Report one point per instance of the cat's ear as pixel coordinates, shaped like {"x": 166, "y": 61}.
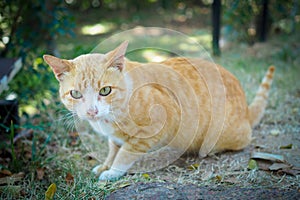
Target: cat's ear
{"x": 116, "y": 57}
{"x": 59, "y": 66}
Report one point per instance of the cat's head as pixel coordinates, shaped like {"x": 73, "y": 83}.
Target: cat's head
{"x": 89, "y": 83}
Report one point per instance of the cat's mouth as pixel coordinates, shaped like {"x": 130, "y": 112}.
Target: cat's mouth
{"x": 93, "y": 118}
{"x": 89, "y": 118}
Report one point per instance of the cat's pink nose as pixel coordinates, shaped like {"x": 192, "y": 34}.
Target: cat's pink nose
{"x": 92, "y": 112}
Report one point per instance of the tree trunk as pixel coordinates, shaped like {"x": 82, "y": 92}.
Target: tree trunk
{"x": 262, "y": 26}
{"x": 216, "y": 21}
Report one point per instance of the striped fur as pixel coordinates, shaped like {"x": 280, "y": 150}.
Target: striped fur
{"x": 258, "y": 105}
{"x": 204, "y": 106}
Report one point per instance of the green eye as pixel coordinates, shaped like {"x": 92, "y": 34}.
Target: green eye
{"x": 105, "y": 91}
{"x": 75, "y": 94}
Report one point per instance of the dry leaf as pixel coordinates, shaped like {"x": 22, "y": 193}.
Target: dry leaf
{"x": 13, "y": 178}
{"x": 69, "y": 178}
{"x": 5, "y": 172}
{"x": 219, "y": 178}
{"x": 267, "y": 156}
{"x": 252, "y": 164}
{"x": 73, "y": 134}
{"x": 40, "y": 173}
{"x": 289, "y": 146}
{"x": 293, "y": 171}
{"x": 74, "y": 138}
{"x": 193, "y": 166}
{"x": 49, "y": 194}
{"x": 278, "y": 166}
{"x": 264, "y": 164}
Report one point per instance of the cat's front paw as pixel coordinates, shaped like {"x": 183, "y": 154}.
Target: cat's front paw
{"x": 111, "y": 174}
{"x": 99, "y": 169}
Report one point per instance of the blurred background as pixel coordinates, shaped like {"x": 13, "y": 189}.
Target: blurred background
{"x": 69, "y": 28}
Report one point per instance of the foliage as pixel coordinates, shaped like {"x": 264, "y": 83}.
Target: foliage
{"x": 28, "y": 29}
{"x": 105, "y": 4}
{"x": 132, "y": 5}
{"x": 242, "y": 18}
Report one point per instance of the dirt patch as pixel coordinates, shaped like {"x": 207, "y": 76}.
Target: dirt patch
{"x": 174, "y": 191}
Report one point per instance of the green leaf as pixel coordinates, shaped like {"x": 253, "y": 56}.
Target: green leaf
{"x": 252, "y": 164}
{"x": 193, "y": 166}
{"x": 146, "y": 176}
{"x": 49, "y": 194}
{"x": 219, "y": 178}
{"x": 275, "y": 132}
{"x": 289, "y": 146}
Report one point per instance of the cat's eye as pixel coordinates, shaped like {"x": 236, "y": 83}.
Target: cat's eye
{"x": 75, "y": 94}
{"x": 105, "y": 91}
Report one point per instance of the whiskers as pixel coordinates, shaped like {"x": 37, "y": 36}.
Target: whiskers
{"x": 69, "y": 120}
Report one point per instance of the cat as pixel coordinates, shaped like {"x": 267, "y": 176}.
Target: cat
{"x": 103, "y": 89}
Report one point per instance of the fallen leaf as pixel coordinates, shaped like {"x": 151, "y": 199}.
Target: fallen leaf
{"x": 275, "y": 132}
{"x": 219, "y": 178}
{"x": 252, "y": 164}
{"x": 5, "y": 172}
{"x": 146, "y": 176}
{"x": 74, "y": 138}
{"x": 264, "y": 164}
{"x": 294, "y": 171}
{"x": 40, "y": 173}
{"x": 74, "y": 134}
{"x": 12, "y": 179}
{"x": 69, "y": 178}
{"x": 278, "y": 166}
{"x": 49, "y": 194}
{"x": 289, "y": 146}
{"x": 193, "y": 166}
{"x": 267, "y": 156}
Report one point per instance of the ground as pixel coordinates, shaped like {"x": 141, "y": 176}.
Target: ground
{"x": 169, "y": 190}
{"x": 226, "y": 175}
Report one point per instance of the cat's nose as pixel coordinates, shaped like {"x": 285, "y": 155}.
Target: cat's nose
{"x": 92, "y": 112}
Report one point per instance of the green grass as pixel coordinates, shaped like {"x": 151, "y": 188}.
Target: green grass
{"x": 53, "y": 149}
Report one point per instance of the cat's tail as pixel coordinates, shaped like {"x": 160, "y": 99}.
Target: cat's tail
{"x": 257, "y": 107}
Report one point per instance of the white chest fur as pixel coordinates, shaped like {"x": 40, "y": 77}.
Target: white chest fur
{"x": 105, "y": 128}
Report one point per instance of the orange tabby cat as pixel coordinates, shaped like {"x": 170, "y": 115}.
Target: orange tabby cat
{"x": 187, "y": 104}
